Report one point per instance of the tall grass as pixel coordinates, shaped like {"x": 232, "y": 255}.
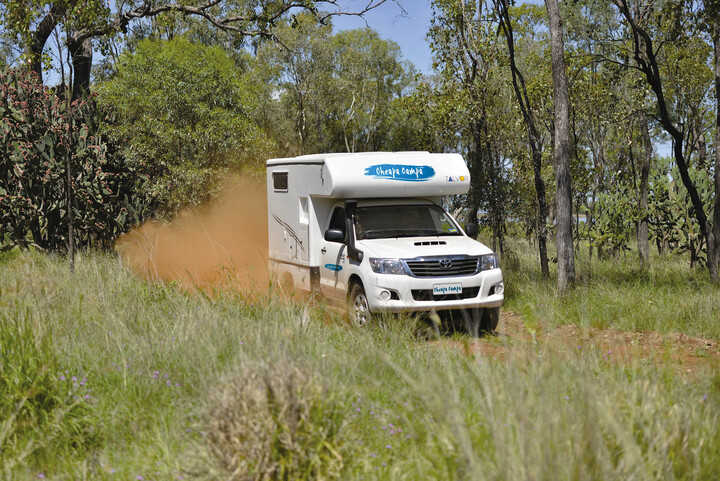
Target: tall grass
{"x": 223, "y": 387}
{"x": 668, "y": 296}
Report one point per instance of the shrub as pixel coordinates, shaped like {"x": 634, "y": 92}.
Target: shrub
{"x": 185, "y": 113}
{"x": 33, "y": 176}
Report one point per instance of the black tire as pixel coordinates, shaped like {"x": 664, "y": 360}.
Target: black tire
{"x": 490, "y": 319}
{"x": 358, "y": 306}
{"x": 477, "y": 321}
{"x": 472, "y": 320}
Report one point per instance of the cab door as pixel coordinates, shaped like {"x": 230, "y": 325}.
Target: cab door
{"x": 334, "y": 261}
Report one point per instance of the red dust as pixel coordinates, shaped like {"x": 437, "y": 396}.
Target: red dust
{"x": 223, "y": 245}
{"x": 686, "y": 354}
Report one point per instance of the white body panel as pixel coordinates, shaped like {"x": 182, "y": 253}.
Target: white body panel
{"x": 304, "y": 191}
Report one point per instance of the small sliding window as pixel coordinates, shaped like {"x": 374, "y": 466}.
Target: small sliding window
{"x": 280, "y": 181}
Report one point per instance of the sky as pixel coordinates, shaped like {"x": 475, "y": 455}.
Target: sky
{"x": 408, "y": 31}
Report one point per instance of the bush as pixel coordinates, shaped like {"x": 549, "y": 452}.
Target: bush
{"x": 33, "y": 176}
{"x": 185, "y": 113}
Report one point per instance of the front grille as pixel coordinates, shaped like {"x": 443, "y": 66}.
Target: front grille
{"x": 427, "y": 294}
{"x": 438, "y": 266}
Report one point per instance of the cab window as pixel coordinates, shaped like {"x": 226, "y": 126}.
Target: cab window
{"x": 337, "y": 221}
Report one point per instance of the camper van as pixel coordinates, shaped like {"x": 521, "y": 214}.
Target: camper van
{"x": 368, "y": 232}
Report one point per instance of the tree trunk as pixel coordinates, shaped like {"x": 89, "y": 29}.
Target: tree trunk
{"x": 69, "y": 188}
{"x": 475, "y": 166}
{"x": 714, "y": 237}
{"x": 542, "y": 215}
{"x": 643, "y": 235}
{"x": 81, "y": 52}
{"x": 563, "y": 196}
{"x": 41, "y": 35}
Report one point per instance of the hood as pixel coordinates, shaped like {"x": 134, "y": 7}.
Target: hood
{"x": 411, "y": 247}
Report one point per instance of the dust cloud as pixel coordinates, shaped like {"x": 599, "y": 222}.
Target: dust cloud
{"x": 220, "y": 246}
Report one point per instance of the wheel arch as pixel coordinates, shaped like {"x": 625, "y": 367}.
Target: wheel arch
{"x": 354, "y": 279}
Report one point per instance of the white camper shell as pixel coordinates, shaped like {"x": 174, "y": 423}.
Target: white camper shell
{"x": 368, "y": 231}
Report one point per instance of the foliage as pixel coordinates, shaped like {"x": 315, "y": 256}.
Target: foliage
{"x": 33, "y": 203}
{"x": 468, "y": 57}
{"x": 371, "y": 75}
{"x": 33, "y": 22}
{"x": 614, "y": 225}
{"x": 672, "y": 225}
{"x": 612, "y": 228}
{"x": 185, "y": 115}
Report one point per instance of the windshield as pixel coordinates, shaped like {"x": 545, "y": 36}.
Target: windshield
{"x": 385, "y": 221}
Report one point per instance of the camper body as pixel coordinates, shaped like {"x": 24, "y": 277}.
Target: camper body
{"x": 367, "y": 231}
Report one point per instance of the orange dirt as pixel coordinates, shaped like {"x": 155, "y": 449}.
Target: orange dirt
{"x": 686, "y": 353}
{"x": 222, "y": 246}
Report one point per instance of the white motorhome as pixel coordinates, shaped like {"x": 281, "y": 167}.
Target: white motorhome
{"x": 367, "y": 231}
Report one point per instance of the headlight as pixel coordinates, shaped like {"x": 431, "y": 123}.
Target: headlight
{"x": 387, "y": 266}
{"x": 488, "y": 262}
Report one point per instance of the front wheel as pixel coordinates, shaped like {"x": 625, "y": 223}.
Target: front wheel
{"x": 490, "y": 319}
{"x": 358, "y": 307}
{"x": 477, "y": 321}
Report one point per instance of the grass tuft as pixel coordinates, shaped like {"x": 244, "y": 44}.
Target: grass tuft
{"x": 275, "y": 421}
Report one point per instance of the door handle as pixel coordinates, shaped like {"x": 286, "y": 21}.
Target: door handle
{"x": 324, "y": 250}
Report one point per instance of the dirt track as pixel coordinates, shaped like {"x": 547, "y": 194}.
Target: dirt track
{"x": 687, "y": 354}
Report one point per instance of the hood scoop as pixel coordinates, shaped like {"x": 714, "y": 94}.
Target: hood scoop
{"x": 430, "y": 243}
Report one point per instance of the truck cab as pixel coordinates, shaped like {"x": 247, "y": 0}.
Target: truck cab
{"x": 371, "y": 235}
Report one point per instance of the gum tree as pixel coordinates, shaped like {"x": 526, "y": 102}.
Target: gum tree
{"x": 647, "y": 41}
{"x": 462, "y": 37}
{"x": 534, "y": 137}
{"x": 561, "y": 153}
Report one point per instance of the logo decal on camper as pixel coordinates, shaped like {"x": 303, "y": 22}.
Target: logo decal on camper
{"x": 333, "y": 267}
{"x": 405, "y": 173}
{"x": 457, "y": 178}
{"x": 290, "y": 231}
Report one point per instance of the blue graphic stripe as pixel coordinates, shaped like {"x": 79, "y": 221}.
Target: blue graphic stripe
{"x": 401, "y": 172}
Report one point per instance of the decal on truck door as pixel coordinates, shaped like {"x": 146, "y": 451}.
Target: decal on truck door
{"x": 404, "y": 173}
{"x": 333, "y": 267}
{"x": 290, "y": 231}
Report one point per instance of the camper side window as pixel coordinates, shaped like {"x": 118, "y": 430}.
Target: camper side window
{"x": 337, "y": 221}
{"x": 280, "y": 181}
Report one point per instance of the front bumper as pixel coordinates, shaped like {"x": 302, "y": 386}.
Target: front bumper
{"x": 413, "y": 294}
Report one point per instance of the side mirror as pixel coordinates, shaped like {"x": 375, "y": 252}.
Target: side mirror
{"x": 334, "y": 235}
{"x": 471, "y": 230}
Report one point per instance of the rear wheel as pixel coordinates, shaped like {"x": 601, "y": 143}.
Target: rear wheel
{"x": 358, "y": 307}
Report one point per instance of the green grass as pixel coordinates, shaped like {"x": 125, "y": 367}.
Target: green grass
{"x": 171, "y": 384}
{"x": 667, "y": 297}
